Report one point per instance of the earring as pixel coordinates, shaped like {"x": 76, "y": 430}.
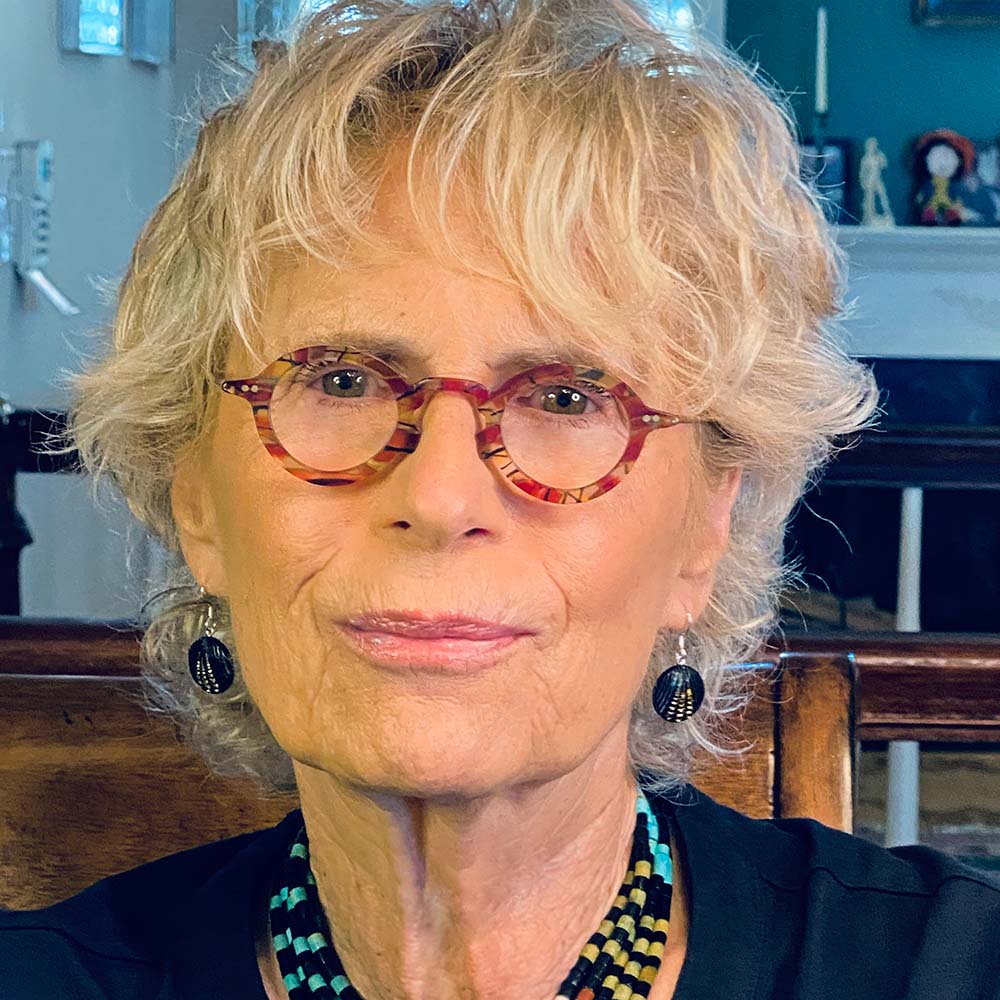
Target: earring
{"x": 679, "y": 691}
{"x": 209, "y": 660}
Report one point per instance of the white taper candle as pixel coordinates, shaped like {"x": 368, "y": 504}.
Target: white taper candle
{"x": 822, "y": 96}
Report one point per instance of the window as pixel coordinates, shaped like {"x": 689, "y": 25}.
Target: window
{"x": 271, "y": 17}
{"x": 92, "y": 26}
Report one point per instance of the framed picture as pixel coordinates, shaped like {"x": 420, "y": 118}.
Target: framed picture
{"x": 981, "y": 188}
{"x": 938, "y": 12}
{"x": 150, "y": 35}
{"x": 831, "y": 175}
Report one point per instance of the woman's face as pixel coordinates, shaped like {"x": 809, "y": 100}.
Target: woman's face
{"x": 440, "y": 532}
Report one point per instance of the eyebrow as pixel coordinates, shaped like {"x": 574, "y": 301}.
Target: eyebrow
{"x": 397, "y": 350}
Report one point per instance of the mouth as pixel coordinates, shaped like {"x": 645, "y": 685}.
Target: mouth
{"x": 442, "y": 649}
{"x": 425, "y": 625}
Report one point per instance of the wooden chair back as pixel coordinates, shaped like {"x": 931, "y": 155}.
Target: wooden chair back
{"x": 92, "y": 784}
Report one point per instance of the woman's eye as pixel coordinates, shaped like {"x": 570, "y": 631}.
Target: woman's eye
{"x": 568, "y": 400}
{"x": 344, "y": 382}
{"x": 337, "y": 383}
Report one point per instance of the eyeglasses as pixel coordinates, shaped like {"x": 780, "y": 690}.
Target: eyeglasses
{"x": 558, "y": 432}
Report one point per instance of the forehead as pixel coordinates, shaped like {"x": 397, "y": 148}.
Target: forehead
{"x": 416, "y": 314}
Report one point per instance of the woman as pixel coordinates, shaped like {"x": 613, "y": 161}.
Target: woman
{"x": 528, "y": 305}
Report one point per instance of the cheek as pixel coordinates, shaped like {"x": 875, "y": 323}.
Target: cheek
{"x": 615, "y": 572}
{"x": 618, "y": 566}
{"x": 276, "y": 533}
{"x": 272, "y": 526}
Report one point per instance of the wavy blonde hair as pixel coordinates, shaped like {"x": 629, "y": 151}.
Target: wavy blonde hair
{"x": 642, "y": 188}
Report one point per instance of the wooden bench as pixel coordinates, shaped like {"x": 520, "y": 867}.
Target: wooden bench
{"x": 92, "y": 784}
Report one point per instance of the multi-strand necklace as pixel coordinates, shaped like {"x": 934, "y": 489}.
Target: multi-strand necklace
{"x": 619, "y": 962}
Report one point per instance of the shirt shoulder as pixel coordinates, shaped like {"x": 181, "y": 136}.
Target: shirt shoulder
{"x": 918, "y": 924}
{"x": 788, "y": 853}
{"x": 809, "y": 848}
{"x": 839, "y": 915}
{"x": 109, "y": 941}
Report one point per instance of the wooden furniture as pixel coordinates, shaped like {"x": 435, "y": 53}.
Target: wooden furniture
{"x": 23, "y": 434}
{"x": 91, "y": 784}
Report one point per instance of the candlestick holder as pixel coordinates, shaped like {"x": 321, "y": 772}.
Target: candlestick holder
{"x": 826, "y": 165}
{"x": 819, "y": 132}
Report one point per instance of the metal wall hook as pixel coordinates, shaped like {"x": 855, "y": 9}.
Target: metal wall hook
{"x": 28, "y": 195}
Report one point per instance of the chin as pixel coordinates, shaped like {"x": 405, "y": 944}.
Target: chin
{"x": 429, "y": 769}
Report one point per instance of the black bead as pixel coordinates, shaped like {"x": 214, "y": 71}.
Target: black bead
{"x": 678, "y": 693}
{"x": 211, "y": 664}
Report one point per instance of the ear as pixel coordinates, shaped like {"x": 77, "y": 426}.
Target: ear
{"x": 708, "y": 542}
{"x": 197, "y": 522}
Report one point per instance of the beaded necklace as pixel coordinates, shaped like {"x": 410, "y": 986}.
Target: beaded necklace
{"x": 619, "y": 962}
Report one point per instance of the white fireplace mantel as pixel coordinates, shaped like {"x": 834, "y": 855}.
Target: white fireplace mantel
{"x": 923, "y": 292}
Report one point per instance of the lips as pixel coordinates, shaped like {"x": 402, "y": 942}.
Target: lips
{"x": 419, "y": 644}
{"x": 423, "y": 625}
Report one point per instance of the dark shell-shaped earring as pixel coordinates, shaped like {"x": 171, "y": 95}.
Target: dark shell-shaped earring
{"x": 679, "y": 691}
{"x": 209, "y": 660}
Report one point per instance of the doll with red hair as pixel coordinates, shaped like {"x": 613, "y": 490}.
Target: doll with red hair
{"x": 943, "y": 160}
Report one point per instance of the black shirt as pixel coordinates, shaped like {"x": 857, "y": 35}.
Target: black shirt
{"x": 780, "y": 910}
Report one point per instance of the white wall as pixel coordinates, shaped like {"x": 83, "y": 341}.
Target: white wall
{"x": 113, "y": 125}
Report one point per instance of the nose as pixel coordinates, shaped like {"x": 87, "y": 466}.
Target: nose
{"x": 460, "y": 394}
{"x": 446, "y": 409}
{"x": 444, "y": 487}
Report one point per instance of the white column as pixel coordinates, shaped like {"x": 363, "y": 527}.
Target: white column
{"x": 902, "y": 814}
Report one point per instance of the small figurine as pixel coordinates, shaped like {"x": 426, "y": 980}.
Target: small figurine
{"x": 872, "y": 164}
{"x": 944, "y": 159}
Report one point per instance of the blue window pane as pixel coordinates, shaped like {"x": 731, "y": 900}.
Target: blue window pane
{"x": 675, "y": 15}
{"x": 320, "y": 4}
{"x": 101, "y": 26}
{"x": 272, "y": 17}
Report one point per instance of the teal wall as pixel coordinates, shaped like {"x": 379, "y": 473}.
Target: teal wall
{"x": 889, "y": 77}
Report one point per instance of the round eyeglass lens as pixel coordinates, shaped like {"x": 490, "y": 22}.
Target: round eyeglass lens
{"x": 333, "y": 416}
{"x": 564, "y": 434}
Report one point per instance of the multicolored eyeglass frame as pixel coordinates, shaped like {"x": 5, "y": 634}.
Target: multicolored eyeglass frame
{"x": 411, "y": 397}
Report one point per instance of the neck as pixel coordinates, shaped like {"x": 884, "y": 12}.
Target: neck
{"x": 468, "y": 898}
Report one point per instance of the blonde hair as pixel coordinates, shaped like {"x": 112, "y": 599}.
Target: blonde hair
{"x": 642, "y": 188}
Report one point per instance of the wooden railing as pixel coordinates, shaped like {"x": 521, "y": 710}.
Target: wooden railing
{"x": 923, "y": 686}
{"x": 94, "y": 784}
{"x": 66, "y": 647}
{"x": 911, "y": 686}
